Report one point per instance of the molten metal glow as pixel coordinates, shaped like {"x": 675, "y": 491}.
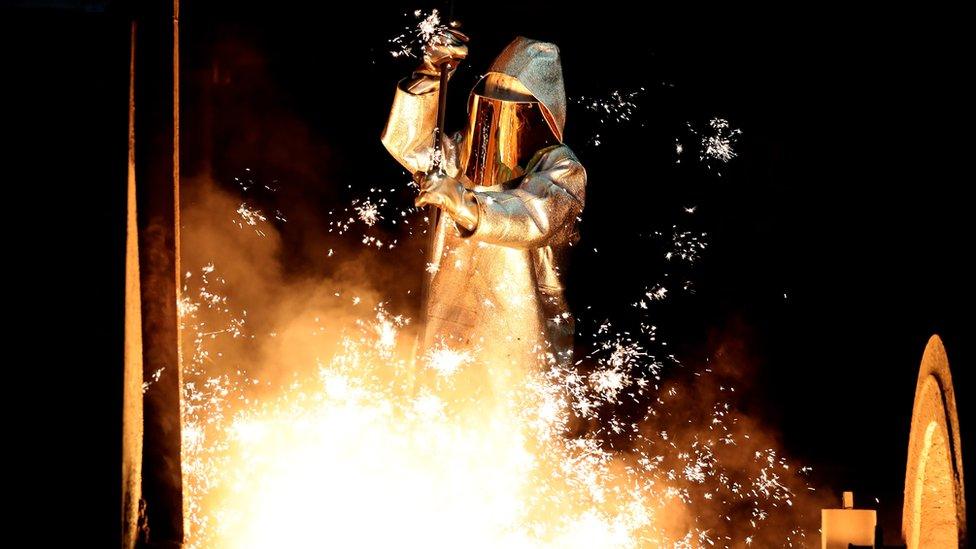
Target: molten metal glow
{"x": 307, "y": 425}
{"x": 358, "y": 453}
{"x": 349, "y": 461}
{"x": 446, "y": 361}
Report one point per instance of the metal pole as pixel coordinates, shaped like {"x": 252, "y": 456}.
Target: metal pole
{"x": 155, "y": 178}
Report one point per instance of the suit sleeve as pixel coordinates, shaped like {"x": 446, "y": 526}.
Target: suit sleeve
{"x": 541, "y": 211}
{"x": 409, "y": 132}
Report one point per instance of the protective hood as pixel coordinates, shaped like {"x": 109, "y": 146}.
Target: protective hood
{"x": 537, "y": 66}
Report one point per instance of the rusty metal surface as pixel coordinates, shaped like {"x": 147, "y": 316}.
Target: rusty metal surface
{"x": 934, "y": 508}
{"x": 155, "y": 181}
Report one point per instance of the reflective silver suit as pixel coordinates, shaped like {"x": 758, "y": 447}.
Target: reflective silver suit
{"x": 497, "y": 290}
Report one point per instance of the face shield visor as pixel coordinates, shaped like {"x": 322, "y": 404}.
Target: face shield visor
{"x": 506, "y": 127}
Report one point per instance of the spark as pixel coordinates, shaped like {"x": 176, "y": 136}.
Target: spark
{"x": 428, "y": 405}
{"x": 615, "y": 108}
{"x": 411, "y": 40}
{"x": 609, "y": 382}
{"x": 657, "y": 293}
{"x": 686, "y": 245}
{"x": 446, "y": 361}
{"x": 512, "y": 470}
{"x": 368, "y": 213}
{"x": 386, "y": 332}
{"x": 718, "y": 145}
{"x": 153, "y": 379}
{"x": 251, "y": 217}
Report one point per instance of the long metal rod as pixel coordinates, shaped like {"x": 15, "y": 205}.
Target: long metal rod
{"x": 436, "y": 166}
{"x": 441, "y": 106}
{"x": 433, "y": 212}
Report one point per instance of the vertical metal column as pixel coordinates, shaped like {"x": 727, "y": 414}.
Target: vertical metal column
{"x": 155, "y": 278}
{"x": 132, "y": 361}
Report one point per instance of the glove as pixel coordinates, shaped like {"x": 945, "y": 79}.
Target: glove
{"x": 448, "y": 194}
{"x": 447, "y": 46}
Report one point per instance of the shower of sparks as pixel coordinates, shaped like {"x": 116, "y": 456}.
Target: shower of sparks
{"x": 609, "y": 382}
{"x": 410, "y": 42}
{"x": 251, "y": 217}
{"x": 655, "y": 293}
{"x": 375, "y": 208}
{"x": 154, "y": 379}
{"x": 616, "y": 108}
{"x": 295, "y": 460}
{"x": 686, "y": 245}
{"x": 368, "y": 213}
{"x": 246, "y": 181}
{"x": 716, "y": 143}
{"x": 257, "y": 468}
{"x": 446, "y": 361}
{"x": 386, "y": 331}
{"x": 251, "y": 187}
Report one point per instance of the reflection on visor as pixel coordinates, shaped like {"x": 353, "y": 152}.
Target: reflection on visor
{"x": 501, "y": 138}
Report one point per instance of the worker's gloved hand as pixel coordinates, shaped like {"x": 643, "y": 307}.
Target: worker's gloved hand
{"x": 446, "y": 46}
{"x": 448, "y": 194}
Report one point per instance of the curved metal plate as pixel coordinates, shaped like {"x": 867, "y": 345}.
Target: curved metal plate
{"x": 934, "y": 509}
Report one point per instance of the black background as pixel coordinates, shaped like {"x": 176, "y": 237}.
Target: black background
{"x": 850, "y": 195}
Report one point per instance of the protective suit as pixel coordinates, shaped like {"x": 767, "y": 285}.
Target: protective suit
{"x": 510, "y": 196}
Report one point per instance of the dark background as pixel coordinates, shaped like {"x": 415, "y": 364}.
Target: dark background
{"x": 850, "y": 193}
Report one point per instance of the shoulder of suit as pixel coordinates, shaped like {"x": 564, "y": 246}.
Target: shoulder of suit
{"x": 556, "y": 154}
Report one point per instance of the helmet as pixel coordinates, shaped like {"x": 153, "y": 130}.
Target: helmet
{"x": 517, "y": 109}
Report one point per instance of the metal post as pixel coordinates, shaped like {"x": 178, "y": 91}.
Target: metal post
{"x": 154, "y": 184}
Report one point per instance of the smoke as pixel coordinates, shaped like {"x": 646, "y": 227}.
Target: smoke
{"x": 737, "y": 482}
{"x": 276, "y": 319}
